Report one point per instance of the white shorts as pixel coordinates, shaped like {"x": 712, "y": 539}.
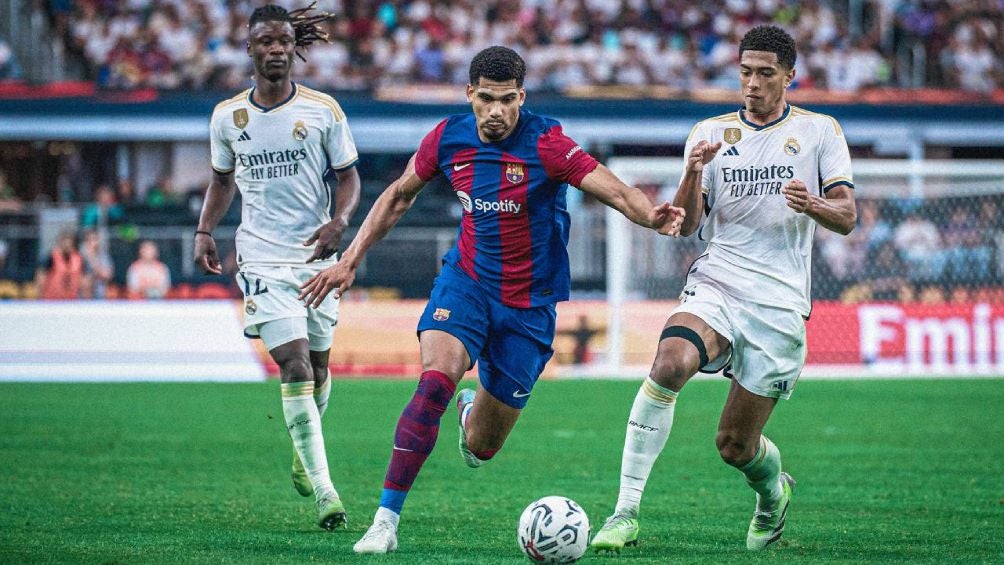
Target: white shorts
{"x": 271, "y": 293}
{"x": 768, "y": 343}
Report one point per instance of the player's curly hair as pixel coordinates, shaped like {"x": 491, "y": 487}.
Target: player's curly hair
{"x": 772, "y": 39}
{"x": 498, "y": 63}
{"x": 306, "y": 28}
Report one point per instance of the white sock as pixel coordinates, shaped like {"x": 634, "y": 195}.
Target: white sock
{"x": 321, "y": 395}
{"x": 763, "y": 474}
{"x": 648, "y": 427}
{"x": 387, "y": 515}
{"x": 304, "y": 424}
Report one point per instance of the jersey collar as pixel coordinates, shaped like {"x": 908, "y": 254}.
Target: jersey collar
{"x": 749, "y": 124}
{"x": 263, "y": 109}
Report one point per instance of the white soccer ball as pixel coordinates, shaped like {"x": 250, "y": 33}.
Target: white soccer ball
{"x": 553, "y": 529}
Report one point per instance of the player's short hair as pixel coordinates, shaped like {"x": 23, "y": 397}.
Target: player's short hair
{"x": 772, "y": 39}
{"x": 306, "y": 26}
{"x": 498, "y": 63}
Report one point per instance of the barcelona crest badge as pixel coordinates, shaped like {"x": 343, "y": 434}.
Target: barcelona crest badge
{"x": 441, "y": 315}
{"x": 514, "y": 172}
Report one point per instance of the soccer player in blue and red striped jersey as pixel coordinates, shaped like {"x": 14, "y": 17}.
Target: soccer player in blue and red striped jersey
{"x": 494, "y": 301}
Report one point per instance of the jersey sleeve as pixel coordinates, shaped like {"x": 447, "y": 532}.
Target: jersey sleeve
{"x": 427, "y": 156}
{"x": 338, "y": 144}
{"x": 563, "y": 159}
{"x": 220, "y": 151}
{"x": 697, "y": 133}
{"x": 834, "y": 158}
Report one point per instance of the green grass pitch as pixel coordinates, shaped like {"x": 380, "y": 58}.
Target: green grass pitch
{"x": 896, "y": 471}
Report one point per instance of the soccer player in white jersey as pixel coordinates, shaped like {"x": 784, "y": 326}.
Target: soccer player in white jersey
{"x": 764, "y": 177}
{"x": 278, "y": 141}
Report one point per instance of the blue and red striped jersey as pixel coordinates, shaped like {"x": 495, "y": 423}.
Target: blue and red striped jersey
{"x": 514, "y": 233}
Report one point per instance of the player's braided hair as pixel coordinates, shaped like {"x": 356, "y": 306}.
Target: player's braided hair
{"x": 498, "y": 63}
{"x": 772, "y": 39}
{"x": 306, "y": 28}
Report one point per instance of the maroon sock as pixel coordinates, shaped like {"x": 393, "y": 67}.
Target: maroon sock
{"x": 417, "y": 429}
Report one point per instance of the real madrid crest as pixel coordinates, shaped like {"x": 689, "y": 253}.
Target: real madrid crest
{"x": 514, "y": 172}
{"x": 250, "y": 307}
{"x": 441, "y": 315}
{"x": 299, "y": 130}
{"x": 791, "y": 147}
{"x": 241, "y": 117}
{"x": 733, "y": 135}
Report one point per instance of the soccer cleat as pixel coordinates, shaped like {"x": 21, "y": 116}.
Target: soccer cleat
{"x": 301, "y": 482}
{"x": 331, "y": 512}
{"x": 465, "y": 397}
{"x": 618, "y": 531}
{"x": 767, "y": 527}
{"x": 380, "y": 538}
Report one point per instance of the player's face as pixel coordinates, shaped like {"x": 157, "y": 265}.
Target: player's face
{"x": 271, "y": 46}
{"x": 763, "y": 81}
{"x": 496, "y": 107}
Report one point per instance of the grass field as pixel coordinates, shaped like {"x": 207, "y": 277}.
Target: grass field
{"x": 183, "y": 473}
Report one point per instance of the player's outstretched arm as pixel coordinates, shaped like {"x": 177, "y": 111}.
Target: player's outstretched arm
{"x": 328, "y": 237}
{"x": 628, "y": 200}
{"x": 384, "y": 215}
{"x": 837, "y": 211}
{"x": 219, "y": 195}
{"x": 688, "y": 196}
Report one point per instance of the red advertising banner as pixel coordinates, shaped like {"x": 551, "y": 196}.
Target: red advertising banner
{"x": 916, "y": 338}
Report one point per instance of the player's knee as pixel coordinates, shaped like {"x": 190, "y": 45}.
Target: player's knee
{"x": 669, "y": 371}
{"x": 733, "y": 449}
{"x": 296, "y": 370}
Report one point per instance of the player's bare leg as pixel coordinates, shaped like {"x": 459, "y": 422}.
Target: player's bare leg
{"x": 444, "y": 362}
{"x": 742, "y": 444}
{"x": 303, "y": 420}
{"x": 485, "y": 423}
{"x": 687, "y": 344}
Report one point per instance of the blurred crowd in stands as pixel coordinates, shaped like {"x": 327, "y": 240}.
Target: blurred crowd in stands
{"x": 930, "y": 250}
{"x": 679, "y": 44}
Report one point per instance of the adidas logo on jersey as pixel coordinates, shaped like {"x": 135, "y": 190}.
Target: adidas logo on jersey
{"x": 244, "y": 136}
{"x": 732, "y": 151}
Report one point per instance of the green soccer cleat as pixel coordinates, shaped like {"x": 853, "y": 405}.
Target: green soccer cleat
{"x": 301, "y": 482}
{"x": 331, "y": 512}
{"x": 465, "y": 397}
{"x": 618, "y": 531}
{"x": 767, "y": 527}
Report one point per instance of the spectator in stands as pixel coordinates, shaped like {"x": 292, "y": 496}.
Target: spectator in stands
{"x": 60, "y": 276}
{"x": 919, "y": 244}
{"x": 9, "y": 69}
{"x": 9, "y": 202}
{"x": 971, "y": 64}
{"x": 98, "y": 266}
{"x": 148, "y": 277}
{"x": 104, "y": 211}
{"x": 162, "y": 194}
{"x": 885, "y": 279}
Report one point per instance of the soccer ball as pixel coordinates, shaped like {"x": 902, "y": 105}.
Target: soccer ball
{"x": 553, "y": 529}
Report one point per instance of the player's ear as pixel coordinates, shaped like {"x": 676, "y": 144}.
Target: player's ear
{"x": 470, "y": 92}
{"x": 789, "y": 77}
{"x": 522, "y": 96}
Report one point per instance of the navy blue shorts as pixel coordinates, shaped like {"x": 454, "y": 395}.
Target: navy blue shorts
{"x": 510, "y": 345}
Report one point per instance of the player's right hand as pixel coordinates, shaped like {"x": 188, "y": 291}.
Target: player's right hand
{"x": 701, "y": 155}
{"x": 338, "y": 278}
{"x": 667, "y": 219}
{"x": 205, "y": 255}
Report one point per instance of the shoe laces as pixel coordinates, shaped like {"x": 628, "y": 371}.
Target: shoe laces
{"x": 616, "y": 521}
{"x": 378, "y": 529}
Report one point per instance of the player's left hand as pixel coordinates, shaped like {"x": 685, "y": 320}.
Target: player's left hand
{"x": 327, "y": 238}
{"x": 667, "y": 219}
{"x": 797, "y": 195}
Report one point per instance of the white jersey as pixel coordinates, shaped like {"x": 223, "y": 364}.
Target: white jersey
{"x": 759, "y": 249}
{"x": 279, "y": 157}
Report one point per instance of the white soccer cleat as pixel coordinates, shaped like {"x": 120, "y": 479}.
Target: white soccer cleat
{"x": 380, "y": 538}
